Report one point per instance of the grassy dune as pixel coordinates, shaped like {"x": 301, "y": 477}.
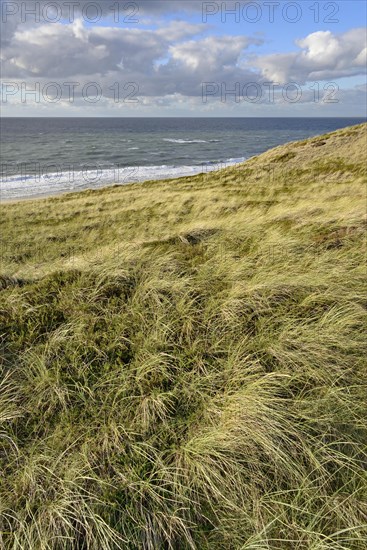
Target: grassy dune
{"x": 182, "y": 362}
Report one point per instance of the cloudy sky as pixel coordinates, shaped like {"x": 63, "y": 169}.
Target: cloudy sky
{"x": 183, "y": 58}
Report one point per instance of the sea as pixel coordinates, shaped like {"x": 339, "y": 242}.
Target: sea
{"x": 50, "y": 156}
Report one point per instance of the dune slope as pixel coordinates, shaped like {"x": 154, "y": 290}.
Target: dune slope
{"x": 182, "y": 362}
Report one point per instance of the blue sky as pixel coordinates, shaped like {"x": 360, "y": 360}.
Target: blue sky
{"x": 173, "y": 48}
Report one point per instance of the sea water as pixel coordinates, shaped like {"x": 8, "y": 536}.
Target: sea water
{"x": 49, "y": 156}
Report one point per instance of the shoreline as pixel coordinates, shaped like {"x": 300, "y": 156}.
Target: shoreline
{"x": 62, "y": 192}
{"x": 183, "y": 305}
{"x": 162, "y": 335}
{"x": 71, "y": 170}
{"x": 228, "y": 165}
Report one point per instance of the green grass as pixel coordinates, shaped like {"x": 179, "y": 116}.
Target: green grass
{"x": 182, "y": 362}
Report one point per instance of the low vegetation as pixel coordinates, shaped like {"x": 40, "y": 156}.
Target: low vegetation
{"x": 182, "y": 362}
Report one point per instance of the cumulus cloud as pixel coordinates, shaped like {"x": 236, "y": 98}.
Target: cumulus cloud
{"x": 34, "y": 13}
{"x": 211, "y": 52}
{"x": 30, "y": 12}
{"x": 323, "y": 55}
{"x": 163, "y": 61}
{"x": 63, "y": 51}
{"x": 169, "y": 59}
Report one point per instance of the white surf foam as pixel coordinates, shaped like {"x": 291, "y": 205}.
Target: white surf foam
{"x": 185, "y": 141}
{"x": 29, "y": 186}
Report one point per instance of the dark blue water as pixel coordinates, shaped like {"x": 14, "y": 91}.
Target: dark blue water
{"x": 53, "y": 155}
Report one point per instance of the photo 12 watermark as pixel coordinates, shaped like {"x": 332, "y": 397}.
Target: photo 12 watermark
{"x": 69, "y": 11}
{"x": 24, "y": 253}
{"x": 38, "y": 175}
{"x": 270, "y": 12}
{"x": 269, "y": 92}
{"x": 67, "y": 92}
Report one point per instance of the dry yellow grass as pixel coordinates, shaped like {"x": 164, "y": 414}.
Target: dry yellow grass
{"x": 183, "y": 361}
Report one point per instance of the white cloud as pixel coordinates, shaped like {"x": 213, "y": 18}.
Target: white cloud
{"x": 323, "y": 55}
{"x": 170, "y": 63}
{"x": 211, "y": 52}
{"x": 60, "y": 52}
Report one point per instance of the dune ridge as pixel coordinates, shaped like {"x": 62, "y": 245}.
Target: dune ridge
{"x": 182, "y": 362}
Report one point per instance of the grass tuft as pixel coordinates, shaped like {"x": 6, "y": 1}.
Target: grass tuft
{"x": 182, "y": 362}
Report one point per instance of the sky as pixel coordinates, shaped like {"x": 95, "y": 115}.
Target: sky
{"x": 183, "y": 58}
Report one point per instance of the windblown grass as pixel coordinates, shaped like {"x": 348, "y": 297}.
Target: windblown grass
{"x": 183, "y": 362}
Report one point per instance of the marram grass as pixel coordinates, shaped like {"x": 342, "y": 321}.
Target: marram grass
{"x": 183, "y": 361}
